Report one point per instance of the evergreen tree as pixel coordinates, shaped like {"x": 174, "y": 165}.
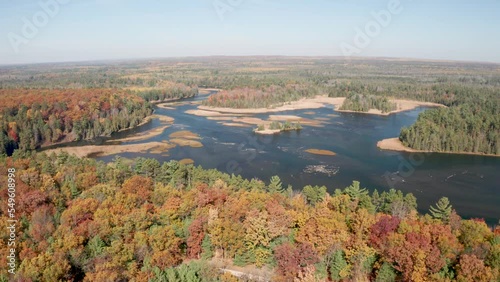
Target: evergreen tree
{"x": 337, "y": 266}
{"x": 314, "y": 194}
{"x": 386, "y": 273}
{"x": 442, "y": 210}
{"x": 275, "y": 186}
{"x": 206, "y": 246}
{"x": 355, "y": 192}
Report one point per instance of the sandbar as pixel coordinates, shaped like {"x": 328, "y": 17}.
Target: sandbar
{"x": 184, "y": 134}
{"x": 235, "y": 124}
{"x": 186, "y": 142}
{"x": 186, "y": 161}
{"x": 320, "y": 152}
{"x": 106, "y": 150}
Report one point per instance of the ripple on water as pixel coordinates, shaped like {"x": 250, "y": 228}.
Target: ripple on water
{"x": 324, "y": 169}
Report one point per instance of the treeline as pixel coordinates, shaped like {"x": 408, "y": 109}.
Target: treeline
{"x": 140, "y": 220}
{"x": 35, "y": 117}
{"x": 271, "y": 96}
{"x": 471, "y": 123}
{"x": 178, "y": 91}
{"x": 448, "y": 94}
{"x": 469, "y": 127}
{"x": 363, "y": 103}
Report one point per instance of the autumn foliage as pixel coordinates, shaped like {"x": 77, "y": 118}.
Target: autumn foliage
{"x": 31, "y": 118}
{"x": 82, "y": 220}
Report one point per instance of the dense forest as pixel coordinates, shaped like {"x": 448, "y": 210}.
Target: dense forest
{"x": 139, "y": 220}
{"x": 173, "y": 92}
{"x": 260, "y": 98}
{"x": 471, "y": 123}
{"x": 363, "y": 103}
{"x": 469, "y": 127}
{"x": 35, "y": 117}
{"x": 250, "y": 82}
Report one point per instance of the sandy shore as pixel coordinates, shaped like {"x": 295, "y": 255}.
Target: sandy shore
{"x": 211, "y": 113}
{"x": 402, "y": 105}
{"x": 164, "y": 120}
{"x": 106, "y": 150}
{"x": 309, "y": 103}
{"x": 393, "y": 144}
{"x": 267, "y": 131}
{"x": 143, "y": 122}
{"x": 165, "y": 106}
{"x": 235, "y": 124}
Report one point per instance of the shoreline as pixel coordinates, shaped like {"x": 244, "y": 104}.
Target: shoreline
{"x": 304, "y": 103}
{"x": 165, "y": 122}
{"x": 311, "y": 103}
{"x": 394, "y": 144}
{"x": 106, "y": 150}
{"x": 401, "y": 104}
{"x": 145, "y": 121}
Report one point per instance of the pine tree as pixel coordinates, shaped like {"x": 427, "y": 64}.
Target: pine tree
{"x": 275, "y": 186}
{"x": 386, "y": 273}
{"x": 337, "y": 265}
{"x": 355, "y": 192}
{"x": 442, "y": 210}
{"x": 206, "y": 245}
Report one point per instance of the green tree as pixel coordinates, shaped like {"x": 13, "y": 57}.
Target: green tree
{"x": 386, "y": 273}
{"x": 442, "y": 210}
{"x": 275, "y": 186}
{"x": 338, "y": 266}
{"x": 314, "y": 194}
{"x": 207, "y": 248}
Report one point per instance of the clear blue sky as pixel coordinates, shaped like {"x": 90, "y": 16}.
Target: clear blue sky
{"x": 116, "y": 29}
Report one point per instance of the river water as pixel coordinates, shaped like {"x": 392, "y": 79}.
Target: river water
{"x": 472, "y": 183}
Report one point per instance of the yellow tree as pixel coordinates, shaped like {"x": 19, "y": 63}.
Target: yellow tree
{"x": 257, "y": 236}
{"x": 324, "y": 229}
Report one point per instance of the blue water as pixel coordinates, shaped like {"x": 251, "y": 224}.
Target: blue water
{"x": 472, "y": 183}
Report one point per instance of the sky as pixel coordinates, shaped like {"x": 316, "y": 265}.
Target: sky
{"x": 81, "y": 30}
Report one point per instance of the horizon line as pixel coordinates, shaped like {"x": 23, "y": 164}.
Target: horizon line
{"x": 407, "y": 59}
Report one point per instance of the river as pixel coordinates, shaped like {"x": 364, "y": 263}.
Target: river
{"x": 472, "y": 183}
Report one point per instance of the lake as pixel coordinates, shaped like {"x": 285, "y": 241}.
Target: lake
{"x": 472, "y": 183}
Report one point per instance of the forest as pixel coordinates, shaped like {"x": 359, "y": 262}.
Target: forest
{"x": 470, "y": 127}
{"x": 471, "y": 91}
{"x": 470, "y": 124}
{"x": 363, "y": 103}
{"x": 172, "y": 92}
{"x": 141, "y": 220}
{"x": 32, "y": 118}
{"x": 260, "y": 97}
